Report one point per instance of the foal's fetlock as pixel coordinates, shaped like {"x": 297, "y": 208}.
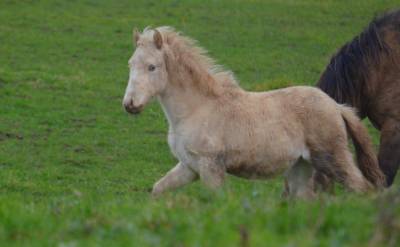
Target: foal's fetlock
{"x": 361, "y": 187}
{"x": 159, "y": 188}
{"x": 213, "y": 181}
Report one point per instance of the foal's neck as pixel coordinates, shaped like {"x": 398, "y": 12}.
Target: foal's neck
{"x": 178, "y": 103}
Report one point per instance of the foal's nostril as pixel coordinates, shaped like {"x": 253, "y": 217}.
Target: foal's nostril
{"x": 128, "y": 105}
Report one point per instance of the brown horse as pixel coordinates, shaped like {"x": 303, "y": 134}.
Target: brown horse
{"x": 365, "y": 73}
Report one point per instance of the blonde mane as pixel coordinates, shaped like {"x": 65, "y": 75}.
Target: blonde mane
{"x": 184, "y": 59}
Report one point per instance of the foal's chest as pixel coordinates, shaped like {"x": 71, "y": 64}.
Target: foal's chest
{"x": 177, "y": 145}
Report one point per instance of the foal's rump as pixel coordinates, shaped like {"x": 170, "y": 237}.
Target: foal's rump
{"x": 326, "y": 126}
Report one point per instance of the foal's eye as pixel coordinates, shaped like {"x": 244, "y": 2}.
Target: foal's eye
{"x": 152, "y": 67}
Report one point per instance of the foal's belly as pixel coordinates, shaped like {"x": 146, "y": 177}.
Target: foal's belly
{"x": 258, "y": 170}
{"x": 261, "y": 167}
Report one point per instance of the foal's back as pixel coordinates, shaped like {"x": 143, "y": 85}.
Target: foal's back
{"x": 293, "y": 111}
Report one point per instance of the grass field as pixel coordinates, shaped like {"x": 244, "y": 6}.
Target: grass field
{"x": 75, "y": 169}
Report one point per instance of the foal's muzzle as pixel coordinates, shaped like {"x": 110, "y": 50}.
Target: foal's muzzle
{"x": 129, "y": 107}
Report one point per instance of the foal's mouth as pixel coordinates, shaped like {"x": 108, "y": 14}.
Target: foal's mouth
{"x": 133, "y": 109}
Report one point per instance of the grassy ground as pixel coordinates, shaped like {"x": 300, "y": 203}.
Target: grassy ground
{"x": 75, "y": 169}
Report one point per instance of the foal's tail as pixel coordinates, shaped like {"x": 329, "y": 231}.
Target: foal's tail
{"x": 366, "y": 157}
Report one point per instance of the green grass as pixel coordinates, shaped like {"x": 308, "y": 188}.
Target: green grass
{"x": 75, "y": 169}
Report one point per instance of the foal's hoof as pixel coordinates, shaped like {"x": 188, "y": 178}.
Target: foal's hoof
{"x": 155, "y": 193}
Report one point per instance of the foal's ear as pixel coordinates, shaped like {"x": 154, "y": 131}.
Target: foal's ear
{"x": 136, "y": 35}
{"x": 157, "y": 39}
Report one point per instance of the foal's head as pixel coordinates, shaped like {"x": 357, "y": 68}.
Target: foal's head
{"x": 148, "y": 75}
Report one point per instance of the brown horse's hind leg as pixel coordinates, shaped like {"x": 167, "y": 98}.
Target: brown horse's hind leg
{"x": 339, "y": 165}
{"x": 389, "y": 151}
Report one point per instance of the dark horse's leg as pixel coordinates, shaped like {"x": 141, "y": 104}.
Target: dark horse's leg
{"x": 389, "y": 151}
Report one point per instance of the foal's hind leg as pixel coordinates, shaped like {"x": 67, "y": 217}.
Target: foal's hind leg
{"x": 323, "y": 183}
{"x": 339, "y": 165}
{"x": 298, "y": 181}
{"x": 389, "y": 150}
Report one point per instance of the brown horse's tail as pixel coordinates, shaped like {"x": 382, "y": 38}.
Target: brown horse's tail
{"x": 366, "y": 157}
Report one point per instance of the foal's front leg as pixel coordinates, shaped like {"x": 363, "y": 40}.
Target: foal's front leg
{"x": 177, "y": 177}
{"x": 211, "y": 174}
{"x": 299, "y": 182}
